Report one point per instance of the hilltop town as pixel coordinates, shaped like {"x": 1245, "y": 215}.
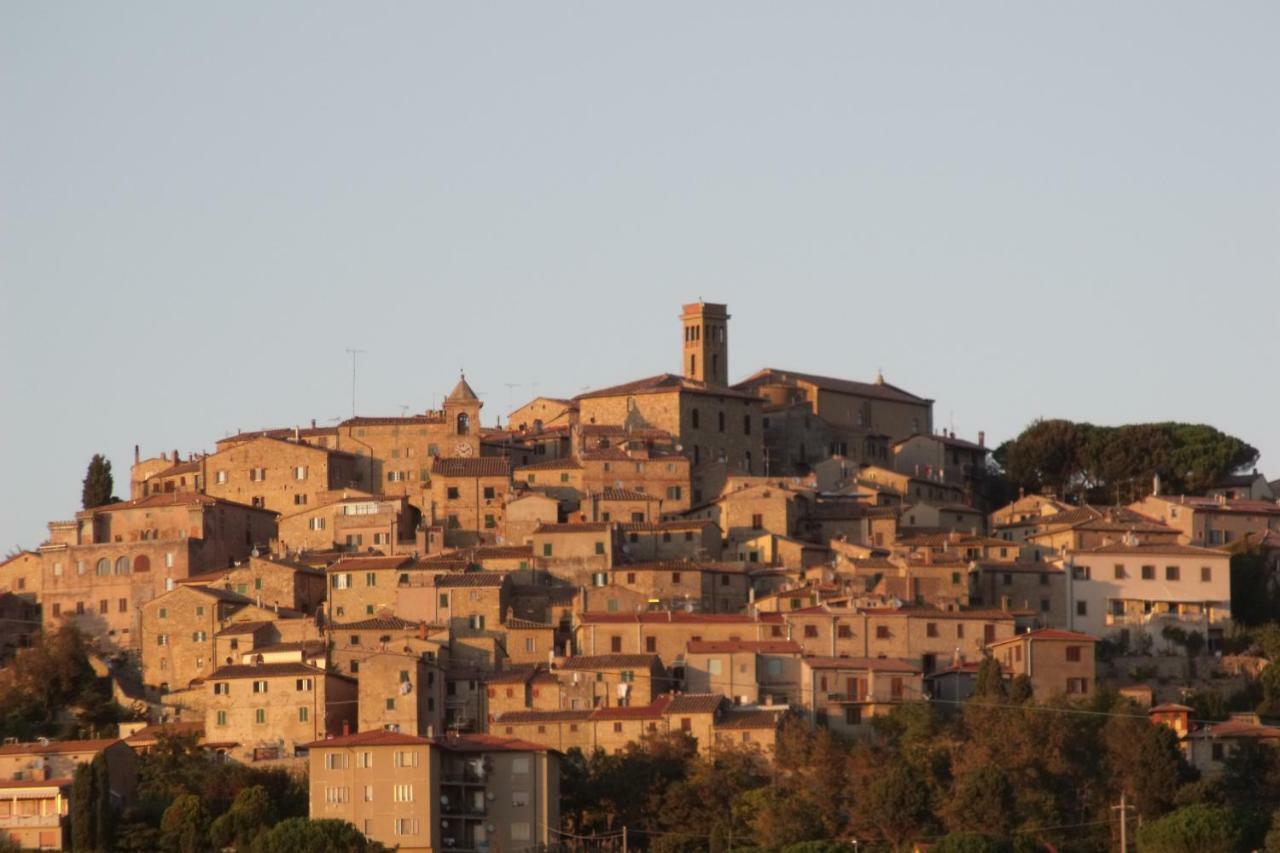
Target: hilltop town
{"x": 428, "y": 614}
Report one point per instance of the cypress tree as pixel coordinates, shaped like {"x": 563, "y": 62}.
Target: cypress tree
{"x": 84, "y": 812}
{"x": 97, "y": 483}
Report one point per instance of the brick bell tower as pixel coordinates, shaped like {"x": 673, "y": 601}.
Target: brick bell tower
{"x": 706, "y": 342}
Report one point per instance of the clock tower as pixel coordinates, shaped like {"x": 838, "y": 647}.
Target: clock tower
{"x": 462, "y": 416}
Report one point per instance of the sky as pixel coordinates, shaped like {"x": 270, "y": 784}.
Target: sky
{"x": 1019, "y": 209}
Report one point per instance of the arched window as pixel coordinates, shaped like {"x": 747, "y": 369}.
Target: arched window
{"x": 122, "y": 566}
{"x": 103, "y": 567}
{"x": 142, "y": 563}
{"x": 464, "y": 424}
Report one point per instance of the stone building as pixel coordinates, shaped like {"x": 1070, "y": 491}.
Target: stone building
{"x": 843, "y": 694}
{"x": 284, "y": 476}
{"x": 350, "y": 521}
{"x": 468, "y": 497}
{"x": 270, "y": 711}
{"x": 400, "y": 692}
{"x": 178, "y": 630}
{"x": 271, "y": 582}
{"x": 1057, "y": 662}
{"x": 101, "y": 568}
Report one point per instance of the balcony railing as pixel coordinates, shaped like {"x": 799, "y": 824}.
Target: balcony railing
{"x": 30, "y": 821}
{"x": 466, "y": 776}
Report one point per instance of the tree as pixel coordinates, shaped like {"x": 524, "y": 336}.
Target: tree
{"x": 895, "y": 806}
{"x": 971, "y": 842}
{"x": 982, "y": 801}
{"x": 183, "y": 829}
{"x": 98, "y": 483}
{"x": 1046, "y": 456}
{"x": 251, "y": 813}
{"x": 84, "y": 814}
{"x": 989, "y": 682}
{"x": 1269, "y": 681}
{"x": 315, "y": 836}
{"x": 1201, "y": 828}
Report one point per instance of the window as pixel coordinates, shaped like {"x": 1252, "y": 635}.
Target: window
{"x": 1120, "y": 572}
{"x": 651, "y": 645}
{"x": 882, "y": 632}
{"x": 220, "y": 476}
{"x": 1082, "y": 608}
{"x": 844, "y": 632}
{"x": 221, "y": 718}
{"x": 257, "y": 475}
{"x": 546, "y": 549}
{"x": 1206, "y": 574}
{"x": 713, "y": 666}
{"x": 405, "y": 758}
{"x": 1077, "y": 686}
{"x": 675, "y": 577}
{"x": 686, "y": 724}
{"x": 164, "y": 613}
{"x": 199, "y": 636}
{"x": 57, "y": 609}
{"x": 489, "y": 493}
{"x": 303, "y": 712}
{"x": 810, "y": 631}
{"x": 161, "y": 639}
{"x": 1007, "y": 579}
{"x": 102, "y": 567}
{"x": 931, "y": 629}
{"x": 391, "y": 704}
{"x": 451, "y": 493}
{"x": 260, "y": 716}
{"x": 746, "y": 424}
{"x": 334, "y": 795}
{"x": 259, "y": 687}
{"x": 720, "y": 421}
{"x": 757, "y": 521}
{"x": 673, "y": 493}
{"x": 522, "y": 831}
{"x": 693, "y": 417}
{"x": 403, "y": 793}
{"x": 1073, "y": 654}
{"x": 615, "y": 645}
{"x": 1172, "y": 573}
{"x": 103, "y": 606}
{"x": 1148, "y": 573}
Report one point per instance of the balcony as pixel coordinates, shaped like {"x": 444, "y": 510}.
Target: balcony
{"x": 463, "y": 809}
{"x": 847, "y": 697}
{"x": 30, "y": 821}
{"x": 463, "y": 776}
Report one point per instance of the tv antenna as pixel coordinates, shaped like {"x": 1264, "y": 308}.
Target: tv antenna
{"x": 353, "y": 353}
{"x": 511, "y": 386}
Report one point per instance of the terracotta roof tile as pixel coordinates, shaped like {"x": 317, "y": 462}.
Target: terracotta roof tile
{"x": 483, "y": 466}
{"x": 467, "y": 579}
{"x": 618, "y": 661}
{"x": 667, "y": 383}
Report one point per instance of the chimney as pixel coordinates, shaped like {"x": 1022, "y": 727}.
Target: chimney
{"x": 313, "y": 423}
{"x": 1155, "y": 484}
{"x": 175, "y": 457}
{"x": 982, "y": 438}
{"x": 346, "y": 727}
{"x": 137, "y": 454}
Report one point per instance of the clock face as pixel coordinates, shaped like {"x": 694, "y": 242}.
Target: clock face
{"x": 463, "y": 448}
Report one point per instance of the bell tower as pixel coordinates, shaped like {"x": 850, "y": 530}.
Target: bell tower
{"x": 706, "y": 342}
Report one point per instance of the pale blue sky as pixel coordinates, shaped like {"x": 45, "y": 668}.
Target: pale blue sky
{"x": 1017, "y": 208}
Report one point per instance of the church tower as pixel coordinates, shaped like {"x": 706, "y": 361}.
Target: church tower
{"x": 706, "y": 342}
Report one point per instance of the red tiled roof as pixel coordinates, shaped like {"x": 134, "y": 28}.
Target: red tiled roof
{"x": 1048, "y": 634}
{"x": 483, "y": 466}
{"x": 666, "y": 383}
{"x": 269, "y": 670}
{"x": 668, "y": 617}
{"x": 618, "y": 661}
{"x": 567, "y": 464}
{"x": 755, "y": 718}
{"x": 370, "y": 563}
{"x": 780, "y": 647}
{"x": 873, "y": 664}
{"x": 461, "y": 579}
{"x": 361, "y": 420}
{"x": 487, "y": 743}
{"x": 877, "y": 390}
{"x": 658, "y": 526}
{"x": 695, "y": 703}
{"x": 1169, "y": 548}
{"x": 165, "y": 499}
{"x": 376, "y": 623}
{"x": 572, "y": 527}
{"x": 378, "y": 737}
{"x": 626, "y": 495}
{"x": 146, "y": 734}
{"x": 542, "y": 717}
{"x": 238, "y": 628}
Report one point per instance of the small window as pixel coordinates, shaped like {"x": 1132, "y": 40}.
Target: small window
{"x": 1206, "y": 574}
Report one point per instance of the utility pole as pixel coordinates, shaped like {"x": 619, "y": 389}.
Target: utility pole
{"x": 353, "y": 353}
{"x": 624, "y": 839}
{"x": 1123, "y": 808}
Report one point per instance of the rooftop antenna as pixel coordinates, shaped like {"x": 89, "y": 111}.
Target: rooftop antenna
{"x": 353, "y": 353}
{"x": 511, "y": 386}
{"x": 404, "y": 409}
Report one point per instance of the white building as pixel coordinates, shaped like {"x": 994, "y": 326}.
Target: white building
{"x": 1141, "y": 587}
